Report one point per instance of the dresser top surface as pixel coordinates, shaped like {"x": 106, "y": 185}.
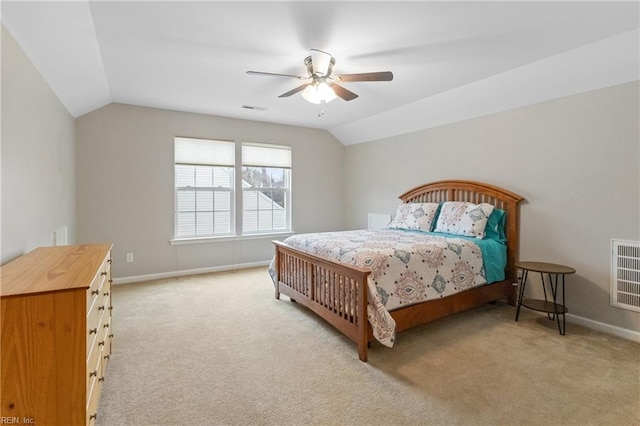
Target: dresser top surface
{"x": 49, "y": 269}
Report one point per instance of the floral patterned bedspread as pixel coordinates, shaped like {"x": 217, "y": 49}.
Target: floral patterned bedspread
{"x": 407, "y": 267}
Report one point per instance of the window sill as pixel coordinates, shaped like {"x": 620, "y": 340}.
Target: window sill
{"x": 208, "y": 240}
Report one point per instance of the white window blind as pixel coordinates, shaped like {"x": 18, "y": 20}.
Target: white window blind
{"x": 266, "y": 155}
{"x": 204, "y": 151}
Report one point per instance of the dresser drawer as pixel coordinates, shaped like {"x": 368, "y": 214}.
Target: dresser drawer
{"x": 105, "y": 350}
{"x": 93, "y": 366}
{"x": 103, "y": 333}
{"x": 106, "y": 302}
{"x": 103, "y": 276}
{"x": 93, "y": 393}
{"x": 93, "y": 294}
{"x": 106, "y": 328}
{"x": 93, "y": 325}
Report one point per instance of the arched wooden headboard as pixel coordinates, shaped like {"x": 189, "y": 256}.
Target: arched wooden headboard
{"x": 476, "y": 192}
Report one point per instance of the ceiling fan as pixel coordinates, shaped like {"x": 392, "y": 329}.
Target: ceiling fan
{"x": 320, "y": 85}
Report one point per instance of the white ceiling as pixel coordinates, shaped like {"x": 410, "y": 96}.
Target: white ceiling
{"x": 451, "y": 60}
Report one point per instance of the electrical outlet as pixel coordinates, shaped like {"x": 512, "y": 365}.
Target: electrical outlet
{"x": 129, "y": 257}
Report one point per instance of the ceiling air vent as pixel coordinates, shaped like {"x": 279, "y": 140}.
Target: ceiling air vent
{"x": 625, "y": 274}
{"x": 257, "y": 108}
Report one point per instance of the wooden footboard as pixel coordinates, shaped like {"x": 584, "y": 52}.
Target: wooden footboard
{"x": 336, "y": 292}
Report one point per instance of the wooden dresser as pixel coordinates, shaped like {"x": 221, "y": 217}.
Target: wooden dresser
{"x": 56, "y": 334}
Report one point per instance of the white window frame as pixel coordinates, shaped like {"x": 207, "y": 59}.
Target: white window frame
{"x": 199, "y": 189}
{"x": 237, "y": 193}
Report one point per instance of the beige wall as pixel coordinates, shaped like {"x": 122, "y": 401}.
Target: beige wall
{"x": 125, "y": 185}
{"x": 38, "y": 157}
{"x": 575, "y": 160}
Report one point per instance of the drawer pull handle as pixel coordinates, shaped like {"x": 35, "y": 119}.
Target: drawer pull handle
{"x": 101, "y": 308}
{"x": 93, "y": 330}
{"x": 111, "y": 335}
{"x": 106, "y": 293}
{"x": 106, "y": 357}
{"x": 110, "y": 307}
{"x": 93, "y": 416}
{"x": 110, "y": 280}
{"x": 106, "y": 325}
{"x": 93, "y": 373}
{"x": 101, "y": 379}
{"x": 101, "y": 343}
{"x": 95, "y": 291}
{"x": 108, "y": 260}
{"x": 103, "y": 273}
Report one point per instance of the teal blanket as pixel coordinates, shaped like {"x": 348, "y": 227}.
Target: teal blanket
{"x": 494, "y": 255}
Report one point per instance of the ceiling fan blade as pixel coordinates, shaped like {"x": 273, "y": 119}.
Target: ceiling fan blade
{"x": 294, "y": 91}
{"x": 343, "y": 93}
{"x": 368, "y": 76}
{"x": 320, "y": 61}
{"x": 276, "y": 74}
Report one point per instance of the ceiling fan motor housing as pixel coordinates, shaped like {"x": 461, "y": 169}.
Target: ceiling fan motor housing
{"x": 308, "y": 62}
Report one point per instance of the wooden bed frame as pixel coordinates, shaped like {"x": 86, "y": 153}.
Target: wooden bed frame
{"x": 338, "y": 292}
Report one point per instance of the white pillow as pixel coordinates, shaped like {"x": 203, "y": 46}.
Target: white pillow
{"x": 414, "y": 216}
{"x": 462, "y": 218}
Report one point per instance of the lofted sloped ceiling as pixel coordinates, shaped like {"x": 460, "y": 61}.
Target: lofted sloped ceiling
{"x": 451, "y": 60}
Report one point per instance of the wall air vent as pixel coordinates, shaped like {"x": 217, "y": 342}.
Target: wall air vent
{"x": 625, "y": 274}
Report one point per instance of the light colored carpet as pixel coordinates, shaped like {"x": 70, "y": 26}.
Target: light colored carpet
{"x": 218, "y": 349}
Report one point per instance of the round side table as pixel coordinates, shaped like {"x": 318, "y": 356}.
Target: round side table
{"x": 553, "y": 308}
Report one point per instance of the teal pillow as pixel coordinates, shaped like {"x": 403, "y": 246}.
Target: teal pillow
{"x": 435, "y": 218}
{"x": 495, "y": 226}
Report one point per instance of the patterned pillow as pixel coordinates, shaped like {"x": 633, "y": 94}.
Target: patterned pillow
{"x": 414, "y": 216}
{"x": 462, "y": 218}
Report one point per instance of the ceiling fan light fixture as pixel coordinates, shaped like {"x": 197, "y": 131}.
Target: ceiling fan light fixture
{"x": 318, "y": 92}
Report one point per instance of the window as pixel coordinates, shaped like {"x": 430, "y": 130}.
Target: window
{"x": 207, "y": 174}
{"x": 204, "y": 187}
{"x": 265, "y": 188}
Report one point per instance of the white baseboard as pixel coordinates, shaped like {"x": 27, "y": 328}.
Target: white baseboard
{"x": 624, "y": 333}
{"x": 603, "y": 327}
{"x": 173, "y": 274}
